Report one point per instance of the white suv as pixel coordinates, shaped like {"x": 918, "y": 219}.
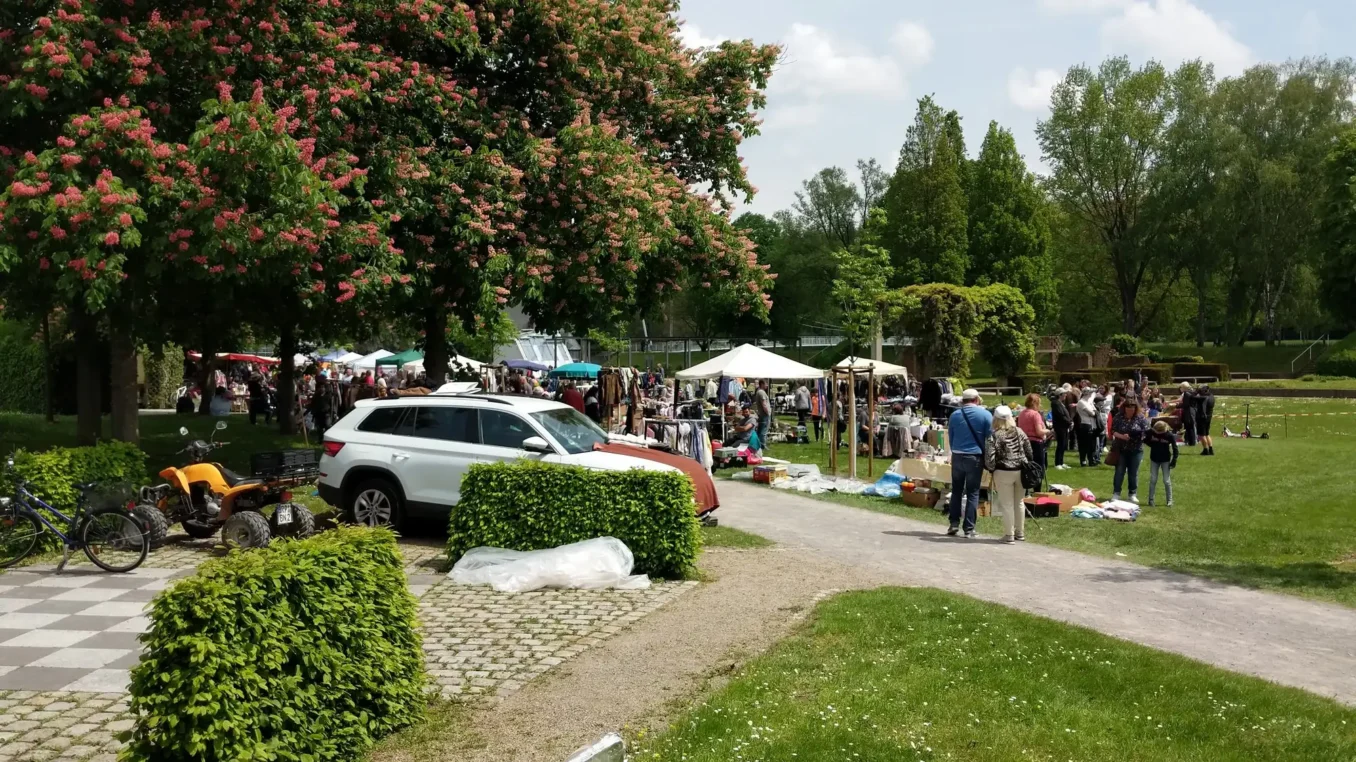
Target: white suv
{"x": 391, "y": 459}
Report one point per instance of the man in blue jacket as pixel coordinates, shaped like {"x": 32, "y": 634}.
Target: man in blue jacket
{"x": 967, "y": 430}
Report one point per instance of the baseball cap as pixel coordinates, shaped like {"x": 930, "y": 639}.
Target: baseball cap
{"x": 1002, "y": 411}
{"x": 969, "y": 395}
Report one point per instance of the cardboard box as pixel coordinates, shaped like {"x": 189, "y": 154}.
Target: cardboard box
{"x": 1066, "y": 502}
{"x": 1047, "y": 511}
{"x": 921, "y": 498}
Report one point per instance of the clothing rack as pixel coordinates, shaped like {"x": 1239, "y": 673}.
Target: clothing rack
{"x": 699, "y": 428}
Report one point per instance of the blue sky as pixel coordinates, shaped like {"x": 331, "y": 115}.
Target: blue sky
{"x": 854, "y": 69}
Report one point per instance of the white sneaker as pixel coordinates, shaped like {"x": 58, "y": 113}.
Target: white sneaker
{"x": 1134, "y": 499}
{"x": 1116, "y": 496}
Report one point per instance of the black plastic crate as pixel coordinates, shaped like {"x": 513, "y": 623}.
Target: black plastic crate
{"x": 285, "y": 463}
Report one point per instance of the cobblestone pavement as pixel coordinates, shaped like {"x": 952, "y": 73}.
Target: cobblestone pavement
{"x": 477, "y": 643}
{"x": 481, "y": 642}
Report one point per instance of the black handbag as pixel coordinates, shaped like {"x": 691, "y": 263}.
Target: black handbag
{"x": 1032, "y": 476}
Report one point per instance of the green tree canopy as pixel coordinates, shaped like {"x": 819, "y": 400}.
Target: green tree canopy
{"x": 926, "y": 205}
{"x": 1009, "y": 231}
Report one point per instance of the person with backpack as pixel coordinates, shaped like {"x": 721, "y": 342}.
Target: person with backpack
{"x": 1061, "y": 420}
{"x": 1162, "y": 459}
{"x": 967, "y": 431}
{"x": 1008, "y": 451}
{"x": 1205, "y": 411}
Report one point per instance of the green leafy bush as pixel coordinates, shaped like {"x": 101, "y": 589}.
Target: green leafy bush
{"x": 305, "y": 650}
{"x": 53, "y": 474}
{"x": 1034, "y": 380}
{"x": 1339, "y": 363}
{"x": 1124, "y": 344}
{"x": 1180, "y": 358}
{"x": 22, "y": 381}
{"x": 164, "y": 375}
{"x": 1152, "y": 355}
{"x": 534, "y": 506}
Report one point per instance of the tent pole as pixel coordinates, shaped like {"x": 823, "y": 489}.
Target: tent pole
{"x": 871, "y": 427}
{"x": 852, "y": 423}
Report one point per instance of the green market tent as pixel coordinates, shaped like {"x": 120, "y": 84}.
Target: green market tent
{"x": 408, "y": 356}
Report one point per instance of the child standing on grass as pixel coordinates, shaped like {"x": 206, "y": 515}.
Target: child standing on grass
{"x": 1162, "y": 458}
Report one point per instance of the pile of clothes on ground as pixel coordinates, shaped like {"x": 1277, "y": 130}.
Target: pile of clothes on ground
{"x": 1115, "y": 510}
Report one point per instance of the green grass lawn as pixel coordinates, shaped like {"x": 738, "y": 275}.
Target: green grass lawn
{"x": 1255, "y": 356}
{"x": 729, "y": 537}
{"x": 911, "y": 674}
{"x": 1276, "y": 514}
{"x": 1304, "y": 382}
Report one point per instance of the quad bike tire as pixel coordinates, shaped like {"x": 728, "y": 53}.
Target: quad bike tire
{"x": 199, "y": 531}
{"x": 153, "y": 522}
{"x": 302, "y": 526}
{"x": 246, "y": 529}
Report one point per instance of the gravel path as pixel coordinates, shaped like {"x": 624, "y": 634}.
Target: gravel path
{"x": 1288, "y": 640}
{"x": 642, "y": 675}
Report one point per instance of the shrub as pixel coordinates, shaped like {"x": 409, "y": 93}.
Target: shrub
{"x": 533, "y": 506}
{"x": 1181, "y": 359}
{"x": 22, "y": 380}
{"x": 1124, "y": 344}
{"x": 164, "y": 375}
{"x": 1152, "y": 355}
{"x": 53, "y": 474}
{"x": 1034, "y": 380}
{"x": 1341, "y": 362}
{"x": 305, "y": 650}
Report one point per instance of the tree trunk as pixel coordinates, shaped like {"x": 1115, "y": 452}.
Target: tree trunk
{"x": 205, "y": 367}
{"x": 1200, "y": 317}
{"x": 287, "y": 372}
{"x": 49, "y": 391}
{"x": 124, "y": 375}
{"x": 88, "y": 386}
{"x": 1128, "y": 310}
{"x": 435, "y": 345}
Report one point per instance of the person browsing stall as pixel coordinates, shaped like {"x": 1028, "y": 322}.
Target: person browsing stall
{"x": 1162, "y": 459}
{"x": 1009, "y": 449}
{"x": 967, "y": 429}
{"x": 743, "y": 432}
{"x": 1128, "y": 431}
{"x": 763, "y": 408}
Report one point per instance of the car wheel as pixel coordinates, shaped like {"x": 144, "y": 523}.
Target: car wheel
{"x": 375, "y": 503}
{"x": 246, "y": 529}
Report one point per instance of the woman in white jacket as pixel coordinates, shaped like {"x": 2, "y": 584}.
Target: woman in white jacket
{"x": 1089, "y": 422}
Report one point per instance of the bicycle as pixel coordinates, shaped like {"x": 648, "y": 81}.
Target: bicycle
{"x": 110, "y": 537}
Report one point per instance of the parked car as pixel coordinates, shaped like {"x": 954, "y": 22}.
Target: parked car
{"x": 397, "y": 458}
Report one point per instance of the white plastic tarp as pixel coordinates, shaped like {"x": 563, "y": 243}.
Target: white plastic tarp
{"x": 368, "y": 362}
{"x": 748, "y": 361}
{"x": 602, "y": 562}
{"x": 881, "y": 367}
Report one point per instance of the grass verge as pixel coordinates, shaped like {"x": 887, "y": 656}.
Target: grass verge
{"x": 445, "y": 731}
{"x": 911, "y": 674}
{"x": 729, "y": 537}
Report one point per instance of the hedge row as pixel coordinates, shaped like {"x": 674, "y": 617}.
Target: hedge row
{"x": 22, "y": 380}
{"x": 305, "y": 650}
{"x": 534, "y": 506}
{"x": 53, "y": 474}
{"x": 164, "y": 370}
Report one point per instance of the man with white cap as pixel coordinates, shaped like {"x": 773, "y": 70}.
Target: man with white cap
{"x": 967, "y": 430}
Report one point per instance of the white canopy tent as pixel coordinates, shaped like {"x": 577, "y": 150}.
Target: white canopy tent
{"x": 418, "y": 365}
{"x": 369, "y": 362}
{"x": 348, "y": 358}
{"x": 748, "y": 361}
{"x": 881, "y": 367}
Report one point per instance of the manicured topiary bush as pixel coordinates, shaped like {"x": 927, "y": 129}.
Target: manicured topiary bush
{"x": 305, "y": 650}
{"x": 1124, "y": 344}
{"x": 534, "y": 506}
{"x": 52, "y": 474}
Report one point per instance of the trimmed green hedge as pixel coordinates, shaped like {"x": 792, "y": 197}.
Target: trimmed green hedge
{"x": 22, "y": 380}
{"x": 53, "y": 474}
{"x": 1218, "y": 370}
{"x": 534, "y": 506}
{"x": 305, "y": 650}
{"x": 1034, "y": 381}
{"x": 1339, "y": 363}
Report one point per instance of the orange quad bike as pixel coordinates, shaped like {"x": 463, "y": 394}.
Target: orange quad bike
{"x": 205, "y": 497}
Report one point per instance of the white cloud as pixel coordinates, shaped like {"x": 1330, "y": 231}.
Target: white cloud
{"x": 1031, "y": 90}
{"x": 692, "y": 37}
{"x": 1173, "y": 31}
{"x": 815, "y": 65}
{"x": 913, "y": 44}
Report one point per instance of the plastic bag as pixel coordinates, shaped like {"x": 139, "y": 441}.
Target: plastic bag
{"x": 603, "y": 562}
{"x": 889, "y": 486}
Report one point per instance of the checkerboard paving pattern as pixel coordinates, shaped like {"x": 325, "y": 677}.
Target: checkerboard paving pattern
{"x": 75, "y": 631}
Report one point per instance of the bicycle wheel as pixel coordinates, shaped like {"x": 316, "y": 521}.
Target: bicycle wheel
{"x": 114, "y": 540}
{"x": 19, "y": 534}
